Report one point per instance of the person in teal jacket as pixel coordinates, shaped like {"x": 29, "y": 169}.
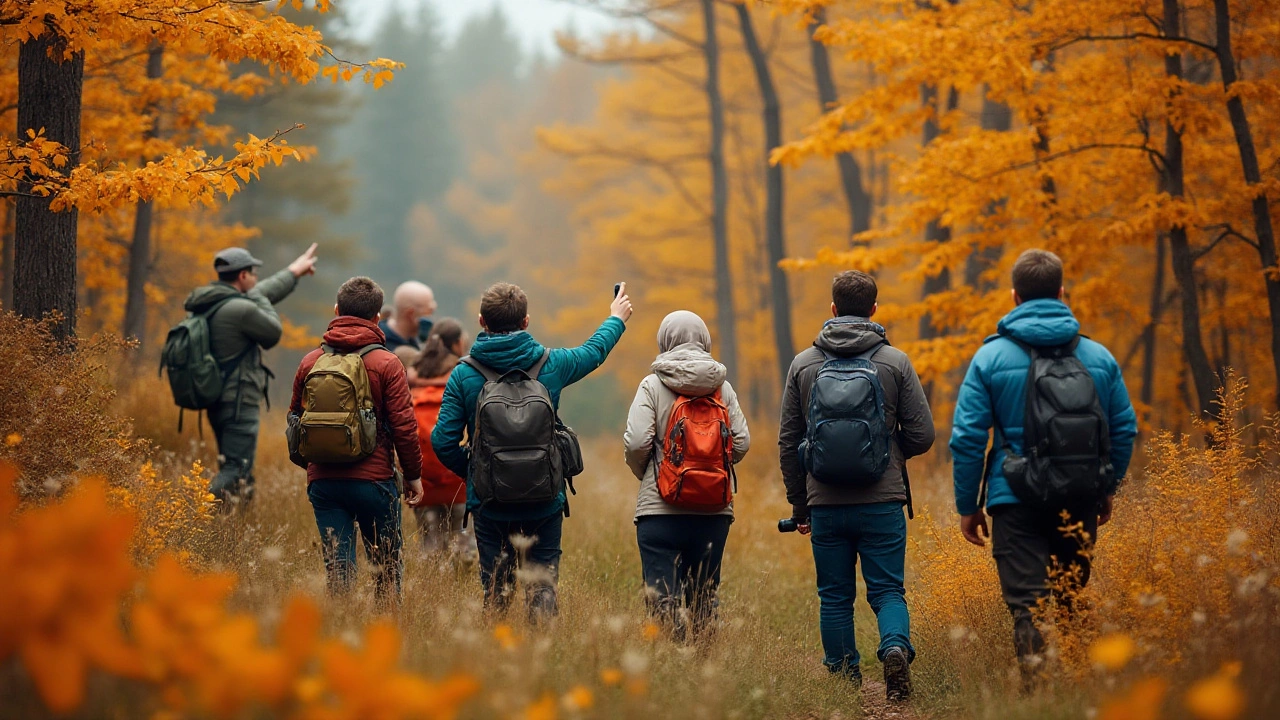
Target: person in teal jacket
{"x": 506, "y": 345}
{"x": 1025, "y": 541}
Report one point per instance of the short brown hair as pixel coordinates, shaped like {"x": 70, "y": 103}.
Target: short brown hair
{"x": 360, "y": 297}
{"x": 854, "y": 293}
{"x": 504, "y": 307}
{"x": 1037, "y": 274}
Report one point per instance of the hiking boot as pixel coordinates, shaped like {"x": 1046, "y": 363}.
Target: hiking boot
{"x": 897, "y": 675}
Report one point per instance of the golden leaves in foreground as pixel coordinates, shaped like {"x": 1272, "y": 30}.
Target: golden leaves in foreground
{"x": 1142, "y": 702}
{"x": 1112, "y": 652}
{"x": 1217, "y": 697}
{"x": 68, "y": 570}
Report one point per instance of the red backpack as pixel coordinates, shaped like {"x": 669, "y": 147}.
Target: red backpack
{"x": 696, "y": 471}
{"x": 440, "y": 486}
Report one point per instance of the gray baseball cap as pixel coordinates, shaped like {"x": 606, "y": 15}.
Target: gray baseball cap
{"x": 233, "y": 260}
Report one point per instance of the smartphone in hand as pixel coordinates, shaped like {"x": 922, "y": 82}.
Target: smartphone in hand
{"x": 617, "y": 287}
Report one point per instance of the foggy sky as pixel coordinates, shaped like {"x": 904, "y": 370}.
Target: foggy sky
{"x": 536, "y": 21}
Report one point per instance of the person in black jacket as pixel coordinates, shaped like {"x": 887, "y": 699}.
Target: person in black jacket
{"x": 861, "y": 521}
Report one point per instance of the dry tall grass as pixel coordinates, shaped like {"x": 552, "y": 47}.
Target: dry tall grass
{"x": 1184, "y": 617}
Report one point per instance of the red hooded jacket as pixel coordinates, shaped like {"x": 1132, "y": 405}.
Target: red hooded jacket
{"x": 391, "y": 401}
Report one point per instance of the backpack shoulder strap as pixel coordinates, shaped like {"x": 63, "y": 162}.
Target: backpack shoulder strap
{"x": 871, "y": 352}
{"x": 536, "y": 369}
{"x": 485, "y": 370}
{"x": 370, "y": 348}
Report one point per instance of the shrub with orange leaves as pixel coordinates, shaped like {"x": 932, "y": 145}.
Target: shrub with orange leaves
{"x": 69, "y": 571}
{"x": 55, "y": 404}
{"x": 173, "y": 515}
{"x": 1185, "y": 580}
{"x": 66, "y": 567}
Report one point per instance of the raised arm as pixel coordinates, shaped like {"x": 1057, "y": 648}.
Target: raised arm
{"x": 277, "y": 287}
{"x": 577, "y": 363}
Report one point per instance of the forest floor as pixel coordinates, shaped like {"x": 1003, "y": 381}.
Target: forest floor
{"x": 765, "y": 662}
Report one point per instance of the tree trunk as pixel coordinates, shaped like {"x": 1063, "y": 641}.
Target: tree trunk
{"x": 1179, "y": 248}
{"x": 44, "y": 276}
{"x": 856, "y": 197}
{"x": 1263, "y": 231}
{"x": 935, "y": 231}
{"x": 135, "y": 308}
{"x": 775, "y": 240}
{"x": 726, "y": 318}
{"x": 6, "y": 259}
{"x": 1150, "y": 334}
{"x": 997, "y": 117}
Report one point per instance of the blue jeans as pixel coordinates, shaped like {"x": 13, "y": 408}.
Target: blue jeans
{"x": 876, "y": 533}
{"x": 538, "y": 556}
{"x": 342, "y": 504}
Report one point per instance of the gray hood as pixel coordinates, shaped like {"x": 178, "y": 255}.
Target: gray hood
{"x": 689, "y": 370}
{"x": 846, "y": 336}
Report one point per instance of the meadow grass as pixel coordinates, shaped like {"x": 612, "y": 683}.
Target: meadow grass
{"x": 1187, "y": 582}
{"x": 765, "y": 661}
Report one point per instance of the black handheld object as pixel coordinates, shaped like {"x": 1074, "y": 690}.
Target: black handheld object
{"x": 787, "y": 525}
{"x": 617, "y": 288}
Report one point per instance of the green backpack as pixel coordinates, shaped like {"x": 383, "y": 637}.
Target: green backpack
{"x": 338, "y": 423}
{"x": 195, "y": 376}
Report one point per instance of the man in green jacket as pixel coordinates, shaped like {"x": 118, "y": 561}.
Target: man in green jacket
{"x": 239, "y": 330}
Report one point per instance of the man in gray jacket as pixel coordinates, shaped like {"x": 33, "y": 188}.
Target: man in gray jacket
{"x": 239, "y": 330}
{"x": 857, "y": 518}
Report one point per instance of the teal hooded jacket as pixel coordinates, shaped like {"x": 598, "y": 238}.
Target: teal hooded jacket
{"x": 995, "y": 387}
{"x": 504, "y": 352}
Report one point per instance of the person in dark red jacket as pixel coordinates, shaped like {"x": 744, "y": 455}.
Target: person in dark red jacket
{"x": 365, "y": 492}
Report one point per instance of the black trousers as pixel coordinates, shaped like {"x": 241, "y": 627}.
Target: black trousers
{"x": 529, "y": 545}
{"x": 1026, "y": 543}
{"x": 681, "y": 556}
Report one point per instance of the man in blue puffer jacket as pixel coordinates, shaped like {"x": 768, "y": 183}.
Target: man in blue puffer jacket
{"x": 506, "y": 345}
{"x": 1025, "y": 542}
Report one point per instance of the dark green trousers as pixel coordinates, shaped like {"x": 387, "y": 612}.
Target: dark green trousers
{"x": 237, "y": 438}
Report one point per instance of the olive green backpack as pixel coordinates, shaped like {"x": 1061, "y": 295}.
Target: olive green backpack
{"x": 338, "y": 423}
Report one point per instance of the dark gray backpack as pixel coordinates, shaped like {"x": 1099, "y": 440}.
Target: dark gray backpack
{"x": 1066, "y": 460}
{"x": 846, "y": 439}
{"x": 515, "y": 458}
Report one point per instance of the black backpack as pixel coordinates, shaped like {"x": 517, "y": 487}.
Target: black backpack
{"x": 846, "y": 438}
{"x": 515, "y": 456}
{"x": 1066, "y": 442}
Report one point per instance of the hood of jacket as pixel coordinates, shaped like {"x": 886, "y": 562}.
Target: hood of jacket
{"x": 689, "y": 370}
{"x": 503, "y": 352}
{"x": 1043, "y": 323}
{"x": 347, "y": 333}
{"x": 206, "y": 296}
{"x": 847, "y": 335}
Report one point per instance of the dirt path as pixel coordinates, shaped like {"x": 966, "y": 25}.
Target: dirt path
{"x": 875, "y": 707}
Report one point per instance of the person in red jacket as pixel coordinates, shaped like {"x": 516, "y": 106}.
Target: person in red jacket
{"x": 445, "y": 494}
{"x": 365, "y": 492}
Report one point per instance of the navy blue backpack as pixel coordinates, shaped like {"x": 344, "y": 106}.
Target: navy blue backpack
{"x": 847, "y": 440}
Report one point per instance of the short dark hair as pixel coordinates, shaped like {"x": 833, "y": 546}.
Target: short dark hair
{"x": 360, "y": 297}
{"x": 231, "y": 276}
{"x": 504, "y": 307}
{"x": 854, "y": 293}
{"x": 1037, "y": 274}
